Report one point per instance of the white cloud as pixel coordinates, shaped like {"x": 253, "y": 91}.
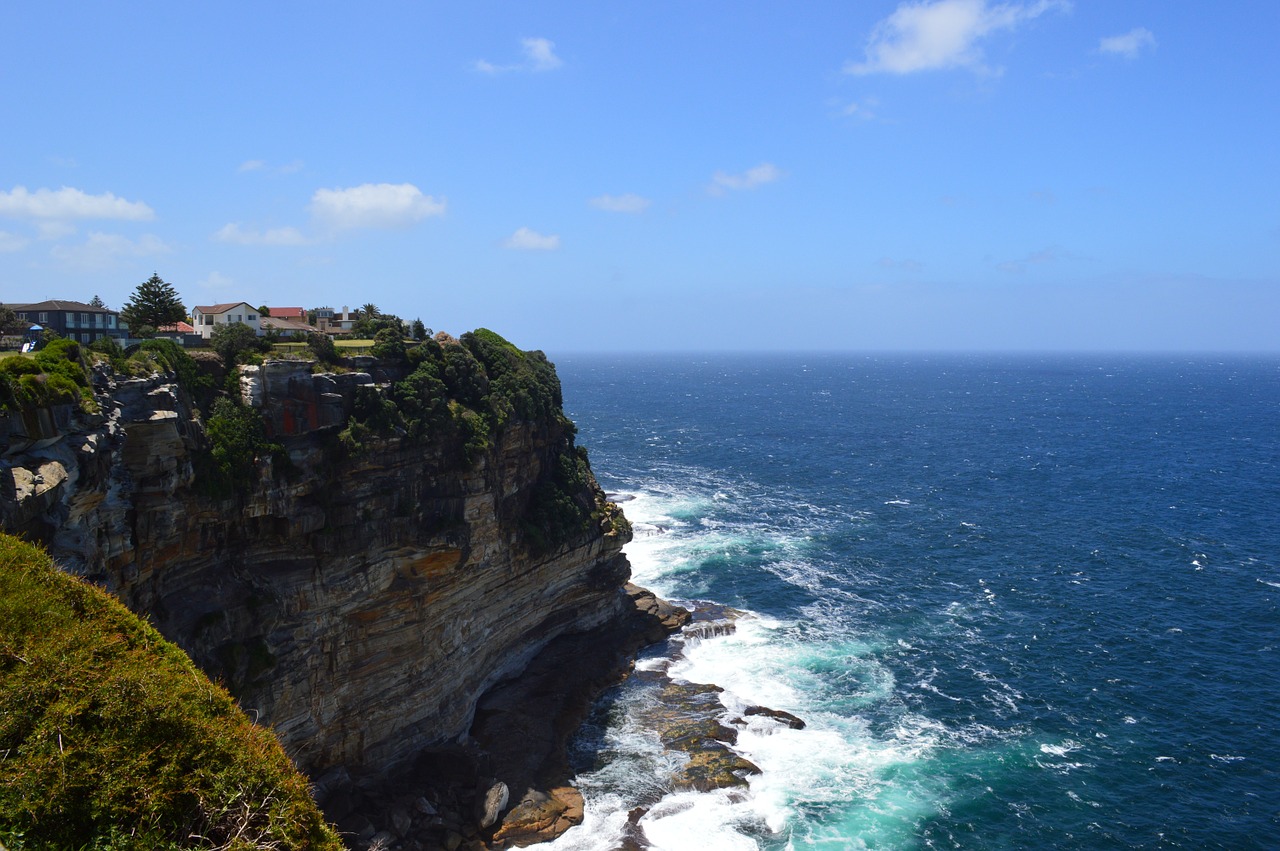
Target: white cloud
{"x": 101, "y": 250}
{"x": 539, "y": 55}
{"x": 525, "y": 239}
{"x": 750, "y": 179}
{"x": 68, "y": 203}
{"x": 374, "y": 205}
{"x": 12, "y": 242}
{"x": 262, "y": 165}
{"x": 52, "y": 230}
{"x": 1128, "y": 45}
{"x": 233, "y": 233}
{"x": 943, "y": 34}
{"x": 620, "y": 203}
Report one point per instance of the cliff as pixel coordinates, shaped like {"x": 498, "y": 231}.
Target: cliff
{"x": 402, "y": 538}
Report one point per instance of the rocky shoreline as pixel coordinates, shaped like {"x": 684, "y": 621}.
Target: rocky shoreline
{"x": 509, "y": 784}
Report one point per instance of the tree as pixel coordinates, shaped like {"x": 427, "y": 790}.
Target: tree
{"x": 420, "y": 331}
{"x": 264, "y": 310}
{"x": 155, "y": 303}
{"x": 232, "y": 340}
{"x": 8, "y": 318}
{"x": 369, "y": 311}
{"x": 322, "y": 347}
{"x": 97, "y": 302}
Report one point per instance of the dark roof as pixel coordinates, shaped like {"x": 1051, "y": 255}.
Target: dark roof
{"x": 222, "y": 308}
{"x": 284, "y": 324}
{"x": 57, "y": 304}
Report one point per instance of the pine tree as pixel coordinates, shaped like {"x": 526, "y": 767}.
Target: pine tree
{"x": 155, "y": 303}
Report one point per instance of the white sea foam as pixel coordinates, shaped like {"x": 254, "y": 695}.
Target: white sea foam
{"x": 814, "y": 668}
{"x": 1061, "y": 749}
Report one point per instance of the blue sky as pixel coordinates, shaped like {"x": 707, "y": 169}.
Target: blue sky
{"x": 949, "y": 175}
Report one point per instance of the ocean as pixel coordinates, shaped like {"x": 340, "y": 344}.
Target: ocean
{"x": 1019, "y": 601}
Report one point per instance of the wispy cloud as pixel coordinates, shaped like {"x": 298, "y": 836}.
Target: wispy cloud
{"x": 69, "y": 203}
{"x": 752, "y": 178}
{"x": 906, "y": 264}
{"x": 526, "y": 239}
{"x": 943, "y": 34}
{"x": 262, "y": 165}
{"x": 234, "y": 233}
{"x": 10, "y": 242}
{"x": 374, "y": 205}
{"x": 1035, "y": 258}
{"x": 103, "y": 250}
{"x": 51, "y": 230}
{"x": 1130, "y": 45}
{"x": 866, "y": 110}
{"x": 217, "y": 282}
{"x": 539, "y": 55}
{"x": 620, "y": 203}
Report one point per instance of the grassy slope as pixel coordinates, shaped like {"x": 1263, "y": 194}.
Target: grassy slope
{"x": 110, "y": 737}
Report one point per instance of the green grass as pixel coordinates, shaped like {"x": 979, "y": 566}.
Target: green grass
{"x": 110, "y": 738}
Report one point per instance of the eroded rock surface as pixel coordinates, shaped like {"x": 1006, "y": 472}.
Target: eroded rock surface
{"x": 359, "y": 605}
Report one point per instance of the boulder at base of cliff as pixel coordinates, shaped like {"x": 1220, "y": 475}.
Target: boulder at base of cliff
{"x": 540, "y": 817}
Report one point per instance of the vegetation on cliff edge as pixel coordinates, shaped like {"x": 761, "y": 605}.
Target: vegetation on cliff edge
{"x": 110, "y": 738}
{"x": 57, "y": 374}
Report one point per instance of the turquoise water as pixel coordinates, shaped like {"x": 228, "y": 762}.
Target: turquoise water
{"x": 1022, "y": 602}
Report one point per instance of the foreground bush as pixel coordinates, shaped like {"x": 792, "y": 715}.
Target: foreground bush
{"x": 110, "y": 738}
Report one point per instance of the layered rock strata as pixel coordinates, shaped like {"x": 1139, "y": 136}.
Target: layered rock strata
{"x": 361, "y": 605}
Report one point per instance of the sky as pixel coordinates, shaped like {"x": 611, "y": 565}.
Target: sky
{"x": 944, "y": 175}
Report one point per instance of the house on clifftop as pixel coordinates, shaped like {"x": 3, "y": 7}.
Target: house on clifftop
{"x": 73, "y": 320}
{"x": 206, "y": 318}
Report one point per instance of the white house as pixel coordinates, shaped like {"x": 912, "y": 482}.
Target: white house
{"x": 241, "y": 312}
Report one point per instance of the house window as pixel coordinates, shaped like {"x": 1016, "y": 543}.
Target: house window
{"x": 44, "y": 319}
{"x": 250, "y": 318}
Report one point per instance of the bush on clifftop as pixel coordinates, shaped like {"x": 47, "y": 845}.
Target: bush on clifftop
{"x": 110, "y": 738}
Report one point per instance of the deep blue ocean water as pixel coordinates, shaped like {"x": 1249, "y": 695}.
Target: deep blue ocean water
{"x": 1021, "y": 601}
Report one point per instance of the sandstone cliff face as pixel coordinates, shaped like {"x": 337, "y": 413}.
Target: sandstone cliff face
{"x": 359, "y": 605}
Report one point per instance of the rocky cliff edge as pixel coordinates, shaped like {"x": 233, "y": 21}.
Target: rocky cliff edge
{"x": 375, "y": 581}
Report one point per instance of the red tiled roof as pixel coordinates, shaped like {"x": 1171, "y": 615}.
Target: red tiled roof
{"x": 288, "y": 313}
{"x": 177, "y": 328}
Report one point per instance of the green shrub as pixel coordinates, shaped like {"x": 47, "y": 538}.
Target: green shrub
{"x": 322, "y": 347}
{"x": 563, "y": 503}
{"x": 110, "y": 738}
{"x": 238, "y": 439}
{"x": 57, "y": 374}
{"x": 389, "y": 345}
{"x": 168, "y": 356}
{"x": 237, "y": 343}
